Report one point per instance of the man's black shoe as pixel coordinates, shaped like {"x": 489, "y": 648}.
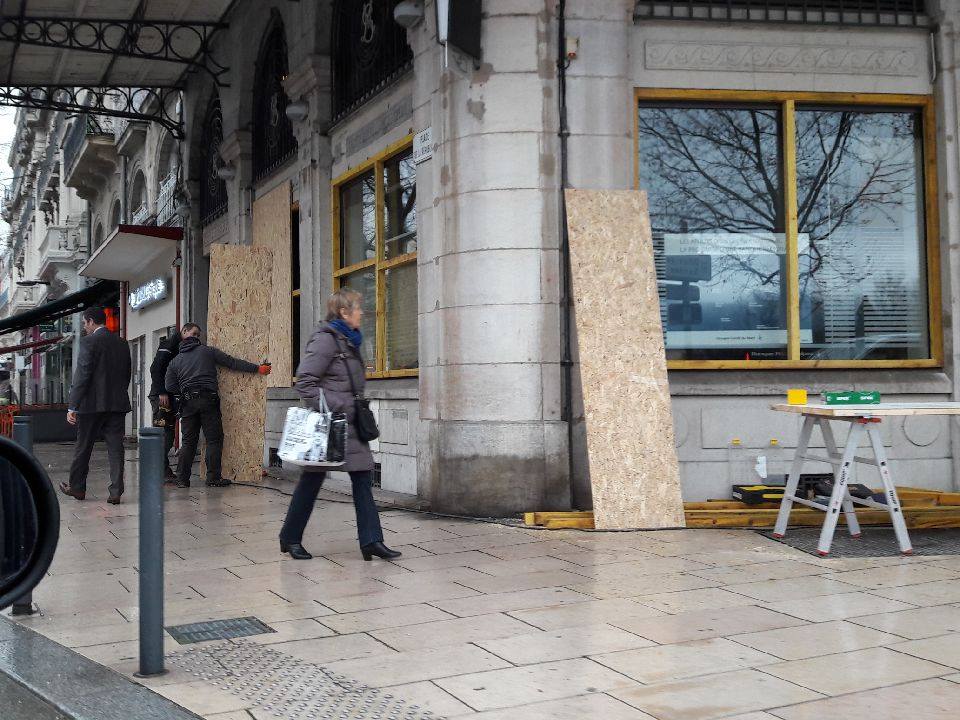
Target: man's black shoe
{"x": 222, "y": 482}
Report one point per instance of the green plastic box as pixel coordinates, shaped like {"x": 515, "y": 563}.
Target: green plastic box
{"x": 852, "y": 397}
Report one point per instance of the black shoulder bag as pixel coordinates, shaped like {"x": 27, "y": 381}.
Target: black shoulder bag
{"x": 364, "y": 419}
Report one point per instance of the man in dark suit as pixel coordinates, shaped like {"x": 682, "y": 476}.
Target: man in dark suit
{"x": 99, "y": 401}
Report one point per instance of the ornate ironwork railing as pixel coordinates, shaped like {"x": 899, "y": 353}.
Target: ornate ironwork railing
{"x": 273, "y": 140}
{"x": 370, "y": 51}
{"x": 141, "y": 214}
{"x": 885, "y": 13}
{"x": 213, "y": 190}
{"x": 166, "y": 210}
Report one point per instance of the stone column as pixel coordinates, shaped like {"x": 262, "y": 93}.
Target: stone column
{"x": 946, "y": 19}
{"x": 599, "y": 148}
{"x": 491, "y": 441}
{"x": 237, "y": 150}
{"x": 311, "y": 82}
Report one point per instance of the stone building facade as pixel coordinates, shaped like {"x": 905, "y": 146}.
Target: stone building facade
{"x": 47, "y": 244}
{"x": 431, "y": 180}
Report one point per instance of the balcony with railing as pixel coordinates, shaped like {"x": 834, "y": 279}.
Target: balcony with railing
{"x": 23, "y": 299}
{"x": 166, "y": 201}
{"x": 62, "y": 245}
{"x": 89, "y": 154}
{"x": 141, "y": 215}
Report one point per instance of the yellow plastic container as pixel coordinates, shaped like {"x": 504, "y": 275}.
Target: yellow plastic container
{"x": 796, "y": 396}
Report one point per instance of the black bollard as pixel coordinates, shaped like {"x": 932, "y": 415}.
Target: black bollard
{"x": 151, "y": 552}
{"x": 23, "y": 436}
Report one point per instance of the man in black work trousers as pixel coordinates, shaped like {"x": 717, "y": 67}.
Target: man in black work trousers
{"x": 99, "y": 401}
{"x": 162, "y": 403}
{"x": 192, "y": 375}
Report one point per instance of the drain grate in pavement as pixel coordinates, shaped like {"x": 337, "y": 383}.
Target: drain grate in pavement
{"x": 874, "y": 542}
{"x": 218, "y": 630}
{"x": 286, "y": 687}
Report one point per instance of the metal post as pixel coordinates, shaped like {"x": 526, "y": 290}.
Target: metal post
{"x": 23, "y": 436}
{"x": 151, "y": 552}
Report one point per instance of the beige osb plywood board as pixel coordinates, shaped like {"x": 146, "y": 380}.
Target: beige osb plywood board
{"x": 239, "y": 297}
{"x": 271, "y": 231}
{"x": 634, "y": 472}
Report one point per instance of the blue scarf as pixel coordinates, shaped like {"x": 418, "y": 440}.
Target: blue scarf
{"x": 354, "y": 336}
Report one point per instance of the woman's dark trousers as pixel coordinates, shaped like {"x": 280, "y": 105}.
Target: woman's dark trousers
{"x": 305, "y": 497}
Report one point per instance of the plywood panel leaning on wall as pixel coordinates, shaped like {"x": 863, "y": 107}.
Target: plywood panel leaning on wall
{"x": 633, "y": 462}
{"x": 271, "y": 231}
{"x": 239, "y": 301}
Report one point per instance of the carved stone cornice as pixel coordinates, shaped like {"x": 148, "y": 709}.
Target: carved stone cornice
{"x": 783, "y": 58}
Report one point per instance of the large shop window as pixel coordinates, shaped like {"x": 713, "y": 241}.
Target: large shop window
{"x": 792, "y": 230}
{"x": 375, "y": 253}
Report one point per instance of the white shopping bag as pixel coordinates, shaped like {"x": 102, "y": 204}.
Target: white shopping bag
{"x": 306, "y": 436}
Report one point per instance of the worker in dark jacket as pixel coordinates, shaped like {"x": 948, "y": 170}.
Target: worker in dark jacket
{"x": 192, "y": 376}
{"x": 99, "y": 400}
{"x": 164, "y": 412}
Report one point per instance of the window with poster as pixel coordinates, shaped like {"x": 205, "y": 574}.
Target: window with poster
{"x": 792, "y": 229}
{"x": 375, "y": 253}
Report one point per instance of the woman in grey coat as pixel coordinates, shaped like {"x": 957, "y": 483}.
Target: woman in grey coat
{"x": 332, "y": 353}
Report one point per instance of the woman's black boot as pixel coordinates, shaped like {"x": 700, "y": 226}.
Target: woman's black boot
{"x": 296, "y": 550}
{"x": 380, "y": 550}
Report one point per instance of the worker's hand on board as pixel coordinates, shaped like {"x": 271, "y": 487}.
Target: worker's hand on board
{"x": 264, "y": 369}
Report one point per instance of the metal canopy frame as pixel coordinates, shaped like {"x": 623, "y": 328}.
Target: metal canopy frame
{"x": 184, "y": 42}
{"x": 134, "y": 103}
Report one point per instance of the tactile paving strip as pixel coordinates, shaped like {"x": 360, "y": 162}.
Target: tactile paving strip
{"x": 874, "y": 542}
{"x": 218, "y": 630}
{"x": 292, "y": 689}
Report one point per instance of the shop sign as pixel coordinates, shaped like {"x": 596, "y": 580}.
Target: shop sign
{"x": 148, "y": 293}
{"x": 423, "y": 146}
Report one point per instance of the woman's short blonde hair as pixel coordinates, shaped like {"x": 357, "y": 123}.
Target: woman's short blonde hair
{"x": 342, "y": 299}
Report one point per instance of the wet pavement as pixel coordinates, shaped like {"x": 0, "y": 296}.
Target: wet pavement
{"x": 487, "y": 621}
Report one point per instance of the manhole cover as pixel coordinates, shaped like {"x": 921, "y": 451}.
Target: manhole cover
{"x": 218, "y": 630}
{"x": 874, "y": 542}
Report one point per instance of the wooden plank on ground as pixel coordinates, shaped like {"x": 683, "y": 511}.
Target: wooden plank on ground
{"x": 634, "y": 472}
{"x": 569, "y": 523}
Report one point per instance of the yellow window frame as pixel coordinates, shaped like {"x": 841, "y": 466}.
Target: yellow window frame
{"x": 379, "y": 262}
{"x": 788, "y": 102}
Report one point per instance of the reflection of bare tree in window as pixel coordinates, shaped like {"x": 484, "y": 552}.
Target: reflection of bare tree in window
{"x": 358, "y": 208}
{"x": 717, "y": 170}
{"x": 851, "y": 170}
{"x": 400, "y": 208}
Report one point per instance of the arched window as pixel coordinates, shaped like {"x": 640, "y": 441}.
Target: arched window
{"x": 98, "y": 236}
{"x": 370, "y": 51}
{"x": 213, "y": 190}
{"x": 115, "y": 215}
{"x": 139, "y": 212}
{"x": 273, "y": 139}
{"x": 167, "y": 171}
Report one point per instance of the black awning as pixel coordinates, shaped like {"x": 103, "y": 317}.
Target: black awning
{"x": 100, "y": 292}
